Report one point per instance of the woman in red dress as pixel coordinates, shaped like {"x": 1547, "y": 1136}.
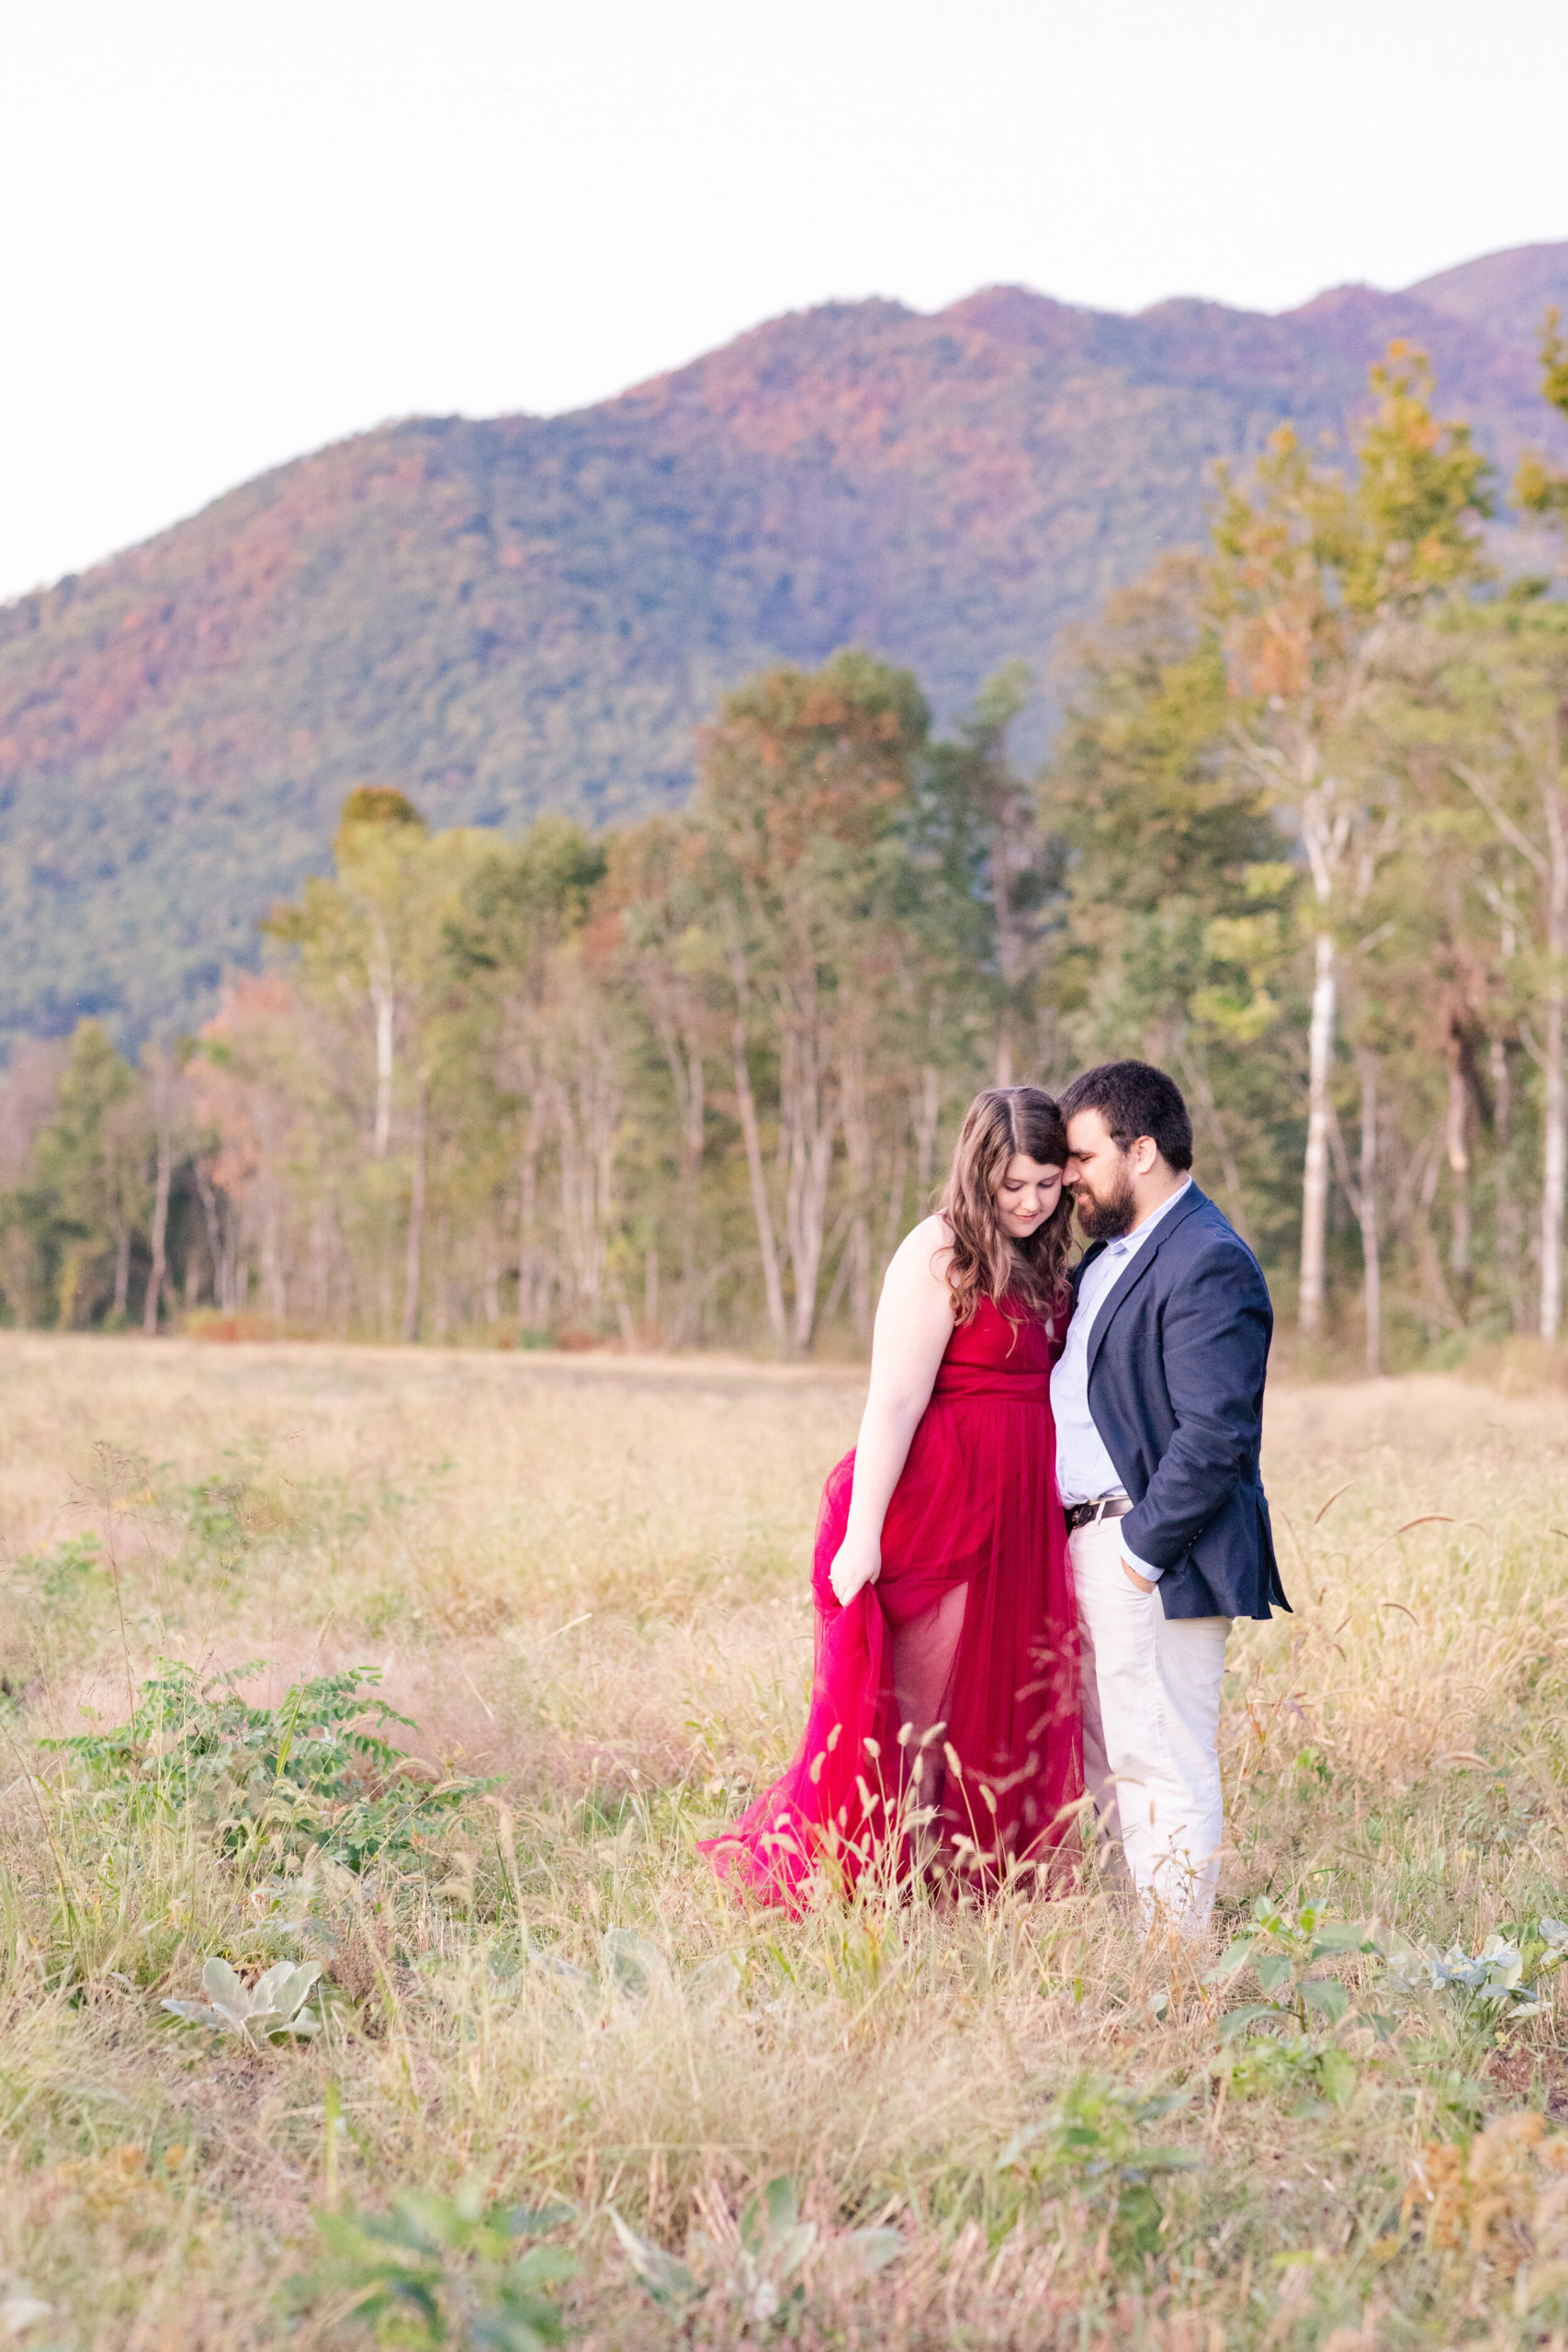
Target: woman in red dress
{"x": 945, "y": 1733}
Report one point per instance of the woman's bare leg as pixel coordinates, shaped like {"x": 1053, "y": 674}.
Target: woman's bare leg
{"x": 923, "y": 1650}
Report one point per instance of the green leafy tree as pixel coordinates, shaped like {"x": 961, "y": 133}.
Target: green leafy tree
{"x": 653, "y": 937}
{"x": 1180, "y": 927}
{"x": 371, "y": 941}
{"x": 1540, "y": 487}
{"x": 1496, "y": 692}
{"x": 89, "y": 1179}
{"x": 806, "y": 793}
{"x": 988, "y": 823}
{"x": 1311, "y": 576}
{"x": 512, "y": 943}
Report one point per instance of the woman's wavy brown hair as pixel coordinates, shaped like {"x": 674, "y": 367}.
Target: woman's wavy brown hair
{"x": 986, "y": 1263}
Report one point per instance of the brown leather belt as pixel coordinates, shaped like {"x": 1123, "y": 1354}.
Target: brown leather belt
{"x": 1090, "y": 1514}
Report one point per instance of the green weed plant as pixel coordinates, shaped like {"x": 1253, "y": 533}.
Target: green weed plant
{"x": 313, "y": 1776}
{"x": 435, "y": 2270}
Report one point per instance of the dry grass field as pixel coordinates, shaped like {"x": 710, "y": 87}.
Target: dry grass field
{"x": 558, "y": 2084}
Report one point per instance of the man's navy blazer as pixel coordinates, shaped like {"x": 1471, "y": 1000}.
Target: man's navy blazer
{"x": 1176, "y": 1364}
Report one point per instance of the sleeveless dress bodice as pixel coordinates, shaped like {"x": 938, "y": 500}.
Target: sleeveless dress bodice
{"x": 993, "y": 1355}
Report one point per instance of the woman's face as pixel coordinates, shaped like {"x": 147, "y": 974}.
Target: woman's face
{"x": 1026, "y": 1194}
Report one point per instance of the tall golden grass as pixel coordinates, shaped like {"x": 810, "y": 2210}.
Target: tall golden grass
{"x": 585, "y": 1580}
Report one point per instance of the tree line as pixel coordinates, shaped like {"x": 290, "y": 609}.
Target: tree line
{"x": 1303, "y": 839}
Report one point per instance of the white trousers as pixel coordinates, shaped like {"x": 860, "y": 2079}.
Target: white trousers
{"x": 1151, "y": 1706}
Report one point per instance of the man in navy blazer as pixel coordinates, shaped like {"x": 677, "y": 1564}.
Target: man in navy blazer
{"x": 1158, "y": 1400}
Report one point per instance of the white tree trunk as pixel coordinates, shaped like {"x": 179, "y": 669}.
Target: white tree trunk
{"x": 414, "y": 1249}
{"x": 1554, "y": 1158}
{"x": 531, "y": 1304}
{"x": 274, "y": 1275}
{"x": 1315, "y": 1175}
{"x": 207, "y": 1194}
{"x": 808, "y": 1226}
{"x": 1367, "y": 1216}
{"x": 1508, "y": 1210}
{"x": 159, "y": 1230}
{"x": 1189, "y": 1060}
{"x": 384, "y": 1004}
{"x": 1459, "y": 1164}
{"x": 926, "y": 1116}
{"x": 857, "y": 1141}
{"x": 1554, "y": 1144}
{"x": 746, "y": 1107}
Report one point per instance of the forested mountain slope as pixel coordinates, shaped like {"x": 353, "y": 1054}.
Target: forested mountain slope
{"x": 521, "y": 613}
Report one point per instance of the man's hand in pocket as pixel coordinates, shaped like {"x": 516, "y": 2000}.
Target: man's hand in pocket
{"x": 1142, "y": 1584}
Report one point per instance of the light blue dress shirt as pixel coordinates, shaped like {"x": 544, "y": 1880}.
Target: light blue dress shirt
{"x": 1085, "y": 1472}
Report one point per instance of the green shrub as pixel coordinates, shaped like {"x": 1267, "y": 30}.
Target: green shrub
{"x": 315, "y": 1775}
{"x": 437, "y": 2270}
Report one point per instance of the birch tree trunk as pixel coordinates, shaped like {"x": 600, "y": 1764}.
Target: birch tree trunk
{"x": 530, "y": 1307}
{"x": 683, "y": 1059}
{"x": 273, "y": 1277}
{"x": 1189, "y": 1060}
{"x": 1314, "y": 1174}
{"x": 1507, "y": 1207}
{"x": 413, "y": 1252}
{"x": 160, "y": 1228}
{"x": 810, "y": 1126}
{"x": 1551, "y": 871}
{"x": 926, "y": 1116}
{"x": 1554, "y": 1137}
{"x": 1458, "y": 1162}
{"x": 745, "y": 1105}
{"x": 586, "y": 1108}
{"x": 1366, "y": 1216}
{"x": 898, "y": 1185}
{"x": 575, "y": 1209}
{"x": 320, "y": 1264}
{"x": 1554, "y": 1142}
{"x": 207, "y": 1196}
{"x": 857, "y": 1141}
{"x": 121, "y": 1271}
{"x": 384, "y": 1005}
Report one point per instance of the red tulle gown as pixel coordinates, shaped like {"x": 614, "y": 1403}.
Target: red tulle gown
{"x": 972, "y": 1627}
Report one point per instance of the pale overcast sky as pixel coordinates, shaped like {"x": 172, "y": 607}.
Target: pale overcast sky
{"x": 236, "y": 229}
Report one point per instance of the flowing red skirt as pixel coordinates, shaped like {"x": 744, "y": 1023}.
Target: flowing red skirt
{"x": 970, "y": 1626}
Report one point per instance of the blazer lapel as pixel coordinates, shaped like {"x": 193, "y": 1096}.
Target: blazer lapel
{"x": 1192, "y": 1200}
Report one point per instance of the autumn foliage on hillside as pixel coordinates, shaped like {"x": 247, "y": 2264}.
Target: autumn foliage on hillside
{"x": 506, "y": 617}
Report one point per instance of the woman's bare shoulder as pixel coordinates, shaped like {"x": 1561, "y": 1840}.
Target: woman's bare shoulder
{"x": 925, "y": 1249}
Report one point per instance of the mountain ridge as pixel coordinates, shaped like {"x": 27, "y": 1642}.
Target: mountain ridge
{"x": 502, "y": 615}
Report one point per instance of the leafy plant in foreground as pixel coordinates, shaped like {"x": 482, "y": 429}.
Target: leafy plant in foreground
{"x": 272, "y": 2006}
{"x": 1275, "y": 2065}
{"x": 634, "y": 1971}
{"x": 1282, "y": 1948}
{"x": 1501, "y": 1984}
{"x": 759, "y": 2267}
{"x": 1093, "y": 2142}
{"x": 315, "y": 1774}
{"x": 437, "y": 2270}
{"x": 57, "y": 1576}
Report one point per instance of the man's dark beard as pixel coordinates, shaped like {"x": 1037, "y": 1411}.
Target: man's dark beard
{"x": 1108, "y": 1220}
